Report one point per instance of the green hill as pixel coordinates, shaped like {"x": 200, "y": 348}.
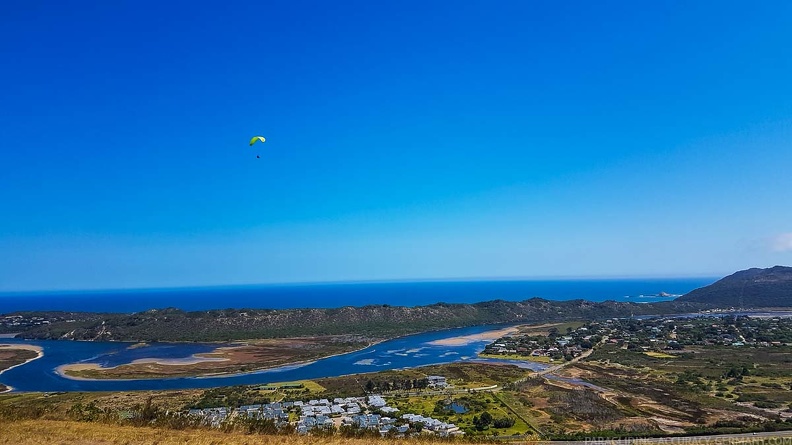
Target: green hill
{"x": 375, "y": 321}
{"x": 750, "y": 288}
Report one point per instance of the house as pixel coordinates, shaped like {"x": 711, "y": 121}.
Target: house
{"x": 376, "y": 401}
{"x": 437, "y": 381}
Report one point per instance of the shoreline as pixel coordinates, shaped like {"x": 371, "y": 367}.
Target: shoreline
{"x": 37, "y": 349}
{"x": 62, "y": 370}
{"x": 495, "y": 331}
{"x": 488, "y": 335}
{"x": 464, "y": 340}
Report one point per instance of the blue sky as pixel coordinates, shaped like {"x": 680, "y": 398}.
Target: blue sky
{"x": 417, "y": 139}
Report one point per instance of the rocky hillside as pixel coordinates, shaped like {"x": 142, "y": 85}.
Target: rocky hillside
{"x": 752, "y": 288}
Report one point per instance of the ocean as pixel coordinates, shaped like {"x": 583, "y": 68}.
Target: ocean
{"x": 399, "y": 293}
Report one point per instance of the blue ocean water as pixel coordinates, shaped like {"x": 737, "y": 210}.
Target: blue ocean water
{"x": 412, "y": 293}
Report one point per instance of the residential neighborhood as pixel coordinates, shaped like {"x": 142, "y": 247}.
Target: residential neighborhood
{"x": 670, "y": 333}
{"x": 551, "y": 347}
{"x": 365, "y": 413}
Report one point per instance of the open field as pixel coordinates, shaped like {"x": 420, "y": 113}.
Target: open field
{"x": 746, "y": 374}
{"x": 528, "y": 358}
{"x": 475, "y": 405}
{"x": 544, "y": 329}
{"x": 250, "y": 356}
{"x": 655, "y": 354}
{"x": 55, "y": 406}
{"x": 713, "y": 389}
{"x": 636, "y": 400}
{"x": 48, "y": 432}
{"x": 476, "y": 375}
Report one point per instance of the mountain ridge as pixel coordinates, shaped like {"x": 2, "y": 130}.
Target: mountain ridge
{"x": 373, "y": 321}
{"x": 749, "y": 288}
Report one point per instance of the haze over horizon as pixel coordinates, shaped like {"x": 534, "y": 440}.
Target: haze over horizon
{"x": 417, "y": 140}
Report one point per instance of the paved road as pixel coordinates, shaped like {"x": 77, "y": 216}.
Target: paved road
{"x": 778, "y": 437}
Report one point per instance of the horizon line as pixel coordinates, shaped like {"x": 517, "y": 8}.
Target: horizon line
{"x": 369, "y": 281}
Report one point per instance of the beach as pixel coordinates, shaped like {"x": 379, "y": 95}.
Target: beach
{"x": 473, "y": 338}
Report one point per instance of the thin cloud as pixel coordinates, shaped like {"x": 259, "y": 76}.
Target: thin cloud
{"x": 783, "y": 242}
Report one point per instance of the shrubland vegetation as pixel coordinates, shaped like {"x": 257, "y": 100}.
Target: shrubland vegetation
{"x": 377, "y": 321}
{"x": 771, "y": 287}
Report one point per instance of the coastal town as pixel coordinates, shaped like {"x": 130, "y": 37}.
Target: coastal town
{"x": 19, "y": 322}
{"x": 666, "y": 334}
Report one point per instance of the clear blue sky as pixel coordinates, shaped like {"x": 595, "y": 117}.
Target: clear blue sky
{"x": 413, "y": 139}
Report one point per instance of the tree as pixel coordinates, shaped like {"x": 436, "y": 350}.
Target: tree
{"x": 482, "y": 422}
{"x": 503, "y": 422}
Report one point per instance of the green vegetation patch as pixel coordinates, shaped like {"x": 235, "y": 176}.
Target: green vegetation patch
{"x": 486, "y": 413}
{"x": 475, "y": 375}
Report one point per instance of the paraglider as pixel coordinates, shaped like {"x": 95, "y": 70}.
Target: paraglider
{"x": 254, "y": 139}
{"x": 257, "y": 138}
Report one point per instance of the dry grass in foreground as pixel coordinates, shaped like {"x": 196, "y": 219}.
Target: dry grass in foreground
{"x": 52, "y": 432}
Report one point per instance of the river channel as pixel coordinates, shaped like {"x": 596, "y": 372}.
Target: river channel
{"x": 404, "y": 352}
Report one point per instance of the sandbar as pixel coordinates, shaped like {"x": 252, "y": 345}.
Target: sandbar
{"x": 473, "y": 338}
{"x": 63, "y": 370}
{"x": 224, "y": 361}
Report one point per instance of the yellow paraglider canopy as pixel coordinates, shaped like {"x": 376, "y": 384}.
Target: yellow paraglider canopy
{"x": 257, "y": 138}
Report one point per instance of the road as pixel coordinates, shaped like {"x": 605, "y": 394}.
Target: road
{"x": 778, "y": 437}
{"x": 555, "y": 368}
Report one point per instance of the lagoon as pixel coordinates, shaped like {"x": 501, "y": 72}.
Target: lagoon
{"x": 404, "y": 352}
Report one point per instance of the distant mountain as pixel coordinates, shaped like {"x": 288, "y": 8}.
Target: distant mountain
{"x": 750, "y": 288}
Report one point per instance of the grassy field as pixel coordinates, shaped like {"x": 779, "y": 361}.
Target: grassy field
{"x": 56, "y": 405}
{"x": 49, "y": 432}
{"x": 462, "y": 375}
{"x": 476, "y": 375}
{"x": 714, "y": 389}
{"x": 698, "y": 391}
{"x": 528, "y": 358}
{"x": 655, "y": 354}
{"x": 544, "y": 329}
{"x": 475, "y": 403}
{"x": 729, "y": 373}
